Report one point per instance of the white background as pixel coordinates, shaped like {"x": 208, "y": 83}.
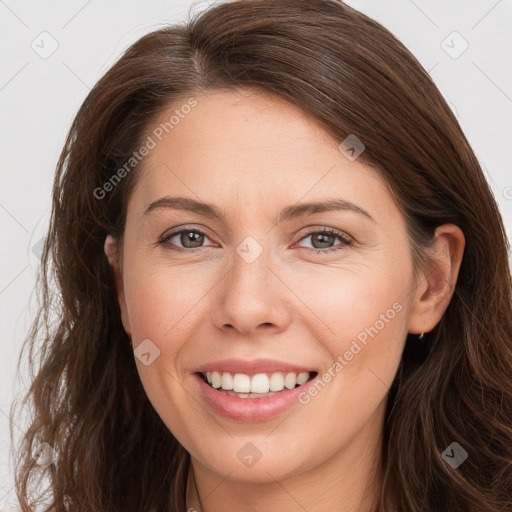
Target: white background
{"x": 40, "y": 96}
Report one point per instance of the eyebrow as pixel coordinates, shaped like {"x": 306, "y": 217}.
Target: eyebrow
{"x": 289, "y": 212}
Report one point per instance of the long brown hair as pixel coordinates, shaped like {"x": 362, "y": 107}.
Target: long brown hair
{"x": 354, "y": 77}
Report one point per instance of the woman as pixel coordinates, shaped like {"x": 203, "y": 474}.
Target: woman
{"x": 282, "y": 280}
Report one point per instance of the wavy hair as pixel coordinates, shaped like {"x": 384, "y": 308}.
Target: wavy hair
{"x": 354, "y": 77}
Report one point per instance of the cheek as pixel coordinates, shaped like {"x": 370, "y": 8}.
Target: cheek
{"x": 359, "y": 317}
{"x": 341, "y": 302}
{"x": 358, "y": 313}
{"x": 162, "y": 302}
{"x": 161, "y": 298}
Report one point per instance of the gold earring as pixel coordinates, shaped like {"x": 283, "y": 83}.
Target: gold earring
{"x": 420, "y": 337}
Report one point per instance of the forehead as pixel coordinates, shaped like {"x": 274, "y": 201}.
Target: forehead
{"x": 250, "y": 148}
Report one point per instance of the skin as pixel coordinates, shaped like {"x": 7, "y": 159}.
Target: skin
{"x": 251, "y": 155}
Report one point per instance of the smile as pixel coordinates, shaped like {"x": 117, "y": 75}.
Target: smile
{"x": 251, "y": 391}
{"x": 258, "y": 385}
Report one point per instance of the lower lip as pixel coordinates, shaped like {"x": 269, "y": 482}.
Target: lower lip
{"x": 251, "y": 409}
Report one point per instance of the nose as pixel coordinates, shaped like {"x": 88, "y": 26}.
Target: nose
{"x": 251, "y": 298}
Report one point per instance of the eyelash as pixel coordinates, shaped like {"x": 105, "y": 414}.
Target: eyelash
{"x": 346, "y": 241}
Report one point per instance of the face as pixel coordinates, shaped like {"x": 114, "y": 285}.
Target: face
{"x": 264, "y": 289}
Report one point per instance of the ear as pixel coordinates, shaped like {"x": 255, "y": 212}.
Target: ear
{"x": 115, "y": 261}
{"x": 437, "y": 282}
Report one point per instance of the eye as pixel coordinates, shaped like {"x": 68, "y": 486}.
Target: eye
{"x": 189, "y": 238}
{"x": 324, "y": 238}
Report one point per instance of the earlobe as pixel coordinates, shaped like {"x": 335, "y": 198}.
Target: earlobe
{"x": 437, "y": 285}
{"x": 111, "y": 251}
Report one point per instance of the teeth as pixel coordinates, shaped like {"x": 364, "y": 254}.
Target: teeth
{"x": 276, "y": 382}
{"x": 302, "y": 378}
{"x": 242, "y": 383}
{"x": 216, "y": 380}
{"x": 259, "y": 383}
{"x": 290, "y": 380}
{"x": 227, "y": 381}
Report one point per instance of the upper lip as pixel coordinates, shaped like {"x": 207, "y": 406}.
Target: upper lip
{"x": 251, "y": 367}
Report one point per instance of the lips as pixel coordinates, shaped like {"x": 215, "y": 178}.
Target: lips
{"x": 254, "y": 390}
{"x": 251, "y": 367}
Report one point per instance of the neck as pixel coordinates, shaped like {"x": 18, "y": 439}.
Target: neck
{"x": 349, "y": 481}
